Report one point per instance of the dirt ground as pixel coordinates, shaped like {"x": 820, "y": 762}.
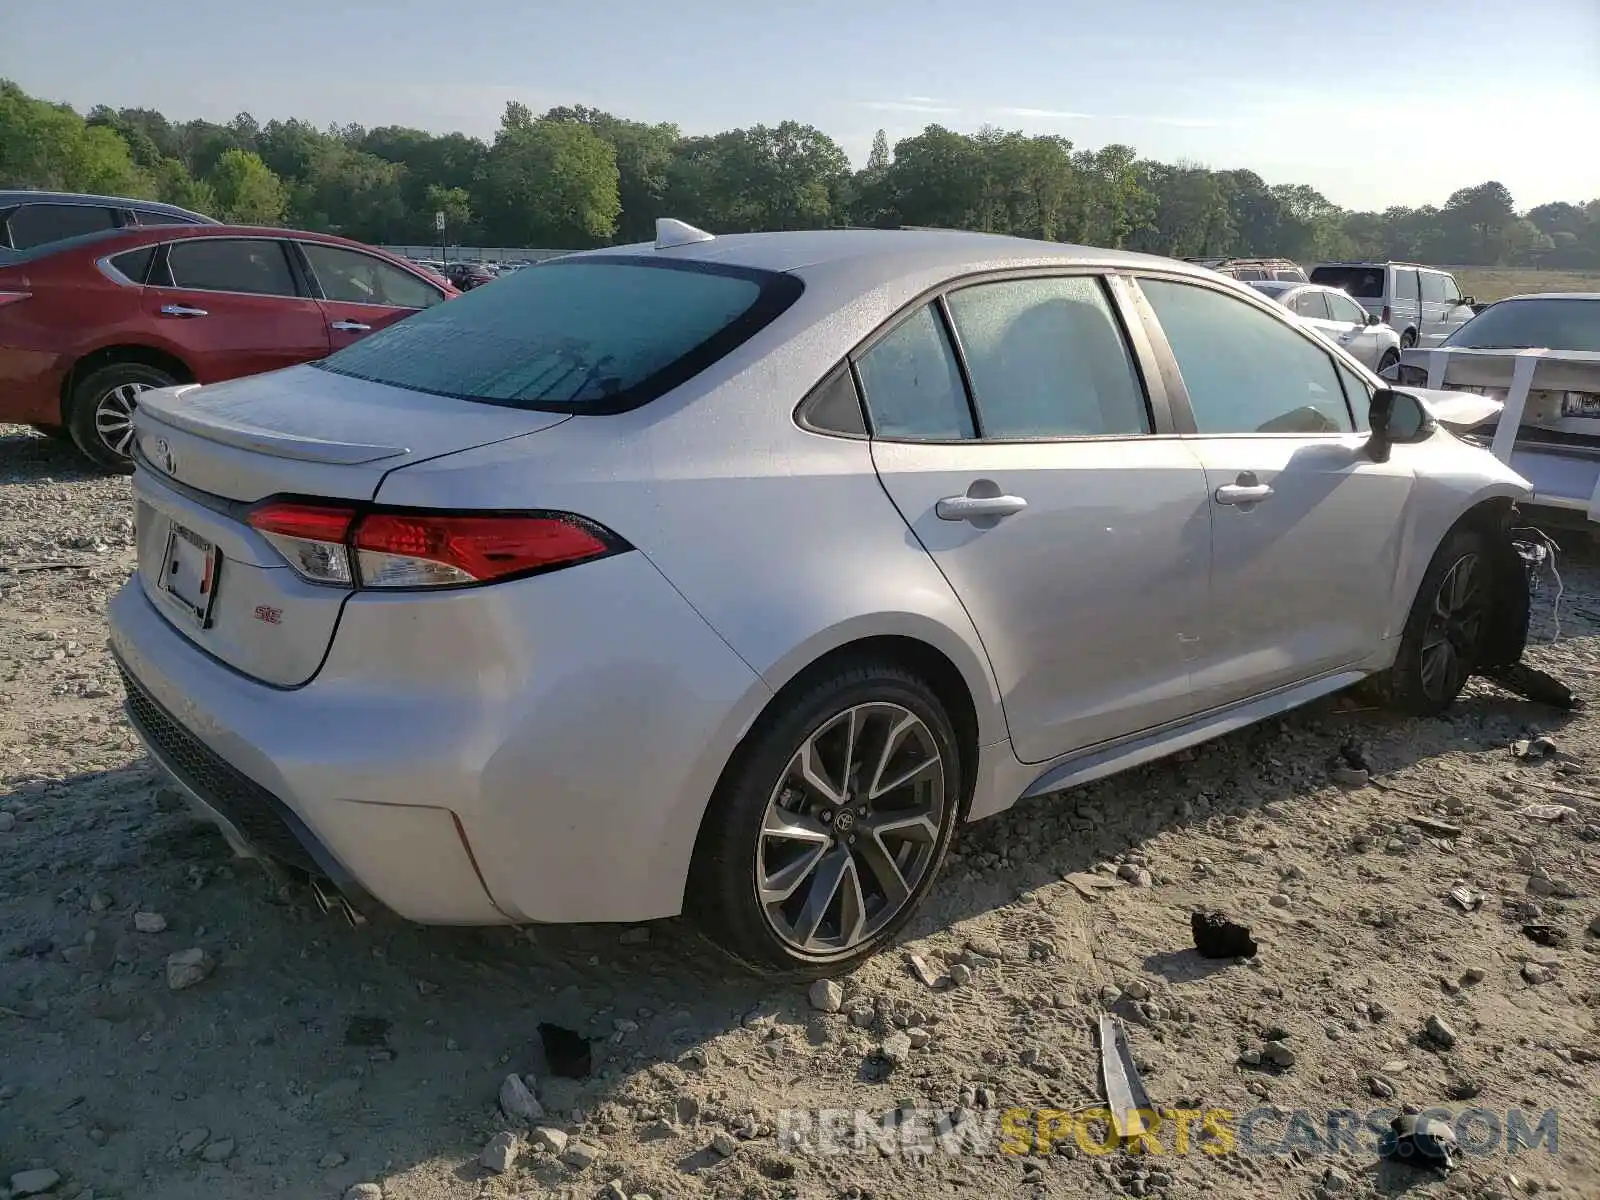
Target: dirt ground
{"x": 316, "y": 1057}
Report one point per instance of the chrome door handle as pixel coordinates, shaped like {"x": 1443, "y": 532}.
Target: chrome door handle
{"x": 1243, "y": 493}
{"x": 966, "y": 508}
{"x": 182, "y": 310}
{"x": 350, "y": 327}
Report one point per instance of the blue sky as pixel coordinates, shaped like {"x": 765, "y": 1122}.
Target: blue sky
{"x": 1374, "y": 102}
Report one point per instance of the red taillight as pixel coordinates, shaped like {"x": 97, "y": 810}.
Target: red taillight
{"x": 388, "y": 549}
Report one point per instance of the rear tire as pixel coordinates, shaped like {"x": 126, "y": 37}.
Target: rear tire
{"x": 1389, "y": 359}
{"x": 1408, "y": 339}
{"x": 1443, "y": 634}
{"x": 807, "y": 863}
{"x": 100, "y": 412}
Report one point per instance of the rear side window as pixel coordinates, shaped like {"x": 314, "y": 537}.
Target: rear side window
{"x": 1311, "y": 304}
{"x": 913, "y": 385}
{"x": 146, "y": 217}
{"x": 1046, "y": 359}
{"x": 1364, "y": 282}
{"x": 257, "y": 266}
{"x": 39, "y": 224}
{"x": 135, "y": 264}
{"x": 596, "y": 335}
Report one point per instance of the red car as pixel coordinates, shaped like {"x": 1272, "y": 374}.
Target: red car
{"x": 88, "y": 323}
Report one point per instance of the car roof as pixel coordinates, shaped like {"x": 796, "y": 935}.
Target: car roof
{"x": 1551, "y": 296}
{"x": 870, "y": 257}
{"x": 135, "y": 236}
{"x": 27, "y": 196}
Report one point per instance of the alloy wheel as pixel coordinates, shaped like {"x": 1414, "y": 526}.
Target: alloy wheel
{"x": 852, "y": 829}
{"x": 113, "y": 416}
{"x": 1455, "y": 623}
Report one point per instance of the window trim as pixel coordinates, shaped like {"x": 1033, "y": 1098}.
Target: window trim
{"x": 318, "y": 292}
{"x": 161, "y": 265}
{"x": 1183, "y": 410}
{"x": 1130, "y": 321}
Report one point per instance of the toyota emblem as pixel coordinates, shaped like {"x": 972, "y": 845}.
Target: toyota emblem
{"x": 163, "y": 455}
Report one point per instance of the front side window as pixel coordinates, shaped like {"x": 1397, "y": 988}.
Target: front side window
{"x": 1345, "y": 309}
{"x": 1452, "y": 294}
{"x": 592, "y": 334}
{"x": 1359, "y": 392}
{"x": 257, "y": 266}
{"x": 1432, "y": 287}
{"x": 1245, "y": 371}
{"x": 1405, "y": 285}
{"x": 350, "y": 277}
{"x": 1046, "y": 359}
{"x": 40, "y": 224}
{"x": 912, "y": 384}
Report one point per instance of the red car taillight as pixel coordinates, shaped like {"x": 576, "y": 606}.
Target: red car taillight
{"x": 351, "y": 547}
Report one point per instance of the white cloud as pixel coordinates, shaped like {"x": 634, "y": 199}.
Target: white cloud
{"x": 911, "y": 104}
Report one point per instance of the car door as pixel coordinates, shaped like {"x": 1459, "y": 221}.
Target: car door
{"x": 1456, "y": 312}
{"x": 1406, "y": 316}
{"x": 1352, "y": 332}
{"x": 1306, "y": 530}
{"x": 361, "y": 292}
{"x": 1311, "y": 306}
{"x": 1435, "y": 311}
{"x": 1075, "y": 534}
{"x": 233, "y": 306}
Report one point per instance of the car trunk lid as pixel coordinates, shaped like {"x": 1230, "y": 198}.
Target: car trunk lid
{"x": 210, "y": 454}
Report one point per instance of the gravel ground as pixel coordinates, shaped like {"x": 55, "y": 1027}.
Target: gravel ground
{"x": 304, "y": 1058}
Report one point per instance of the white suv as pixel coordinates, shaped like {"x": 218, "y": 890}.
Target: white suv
{"x": 1423, "y": 304}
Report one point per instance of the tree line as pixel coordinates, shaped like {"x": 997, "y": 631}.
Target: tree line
{"x": 575, "y": 177}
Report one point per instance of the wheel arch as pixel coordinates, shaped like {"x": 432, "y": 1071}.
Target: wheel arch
{"x": 1492, "y": 513}
{"x": 105, "y": 356}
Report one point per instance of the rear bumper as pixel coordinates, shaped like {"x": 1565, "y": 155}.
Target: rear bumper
{"x": 537, "y": 751}
{"x": 1563, "y": 480}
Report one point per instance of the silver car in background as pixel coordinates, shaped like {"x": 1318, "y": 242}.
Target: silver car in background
{"x": 732, "y": 574}
{"x": 1340, "y": 319}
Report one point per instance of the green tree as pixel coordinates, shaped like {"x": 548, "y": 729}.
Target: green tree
{"x": 644, "y": 159}
{"x": 549, "y": 183}
{"x": 247, "y": 191}
{"x": 45, "y": 145}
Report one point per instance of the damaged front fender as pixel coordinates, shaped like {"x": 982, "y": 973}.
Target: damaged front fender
{"x": 1514, "y": 562}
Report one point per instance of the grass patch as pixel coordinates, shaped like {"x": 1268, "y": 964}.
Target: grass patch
{"x": 1495, "y": 283}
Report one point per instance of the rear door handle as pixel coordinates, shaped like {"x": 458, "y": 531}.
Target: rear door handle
{"x": 182, "y": 310}
{"x": 967, "y": 508}
{"x": 1243, "y": 493}
{"x": 351, "y": 327}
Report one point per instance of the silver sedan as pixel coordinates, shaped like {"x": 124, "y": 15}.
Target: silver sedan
{"x": 1338, "y": 318}
{"x": 732, "y": 574}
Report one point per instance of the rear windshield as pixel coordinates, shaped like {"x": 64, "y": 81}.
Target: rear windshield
{"x": 592, "y": 335}
{"x": 1364, "y": 283}
{"x": 1525, "y": 324}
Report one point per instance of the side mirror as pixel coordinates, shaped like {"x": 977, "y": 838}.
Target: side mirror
{"x": 1468, "y": 301}
{"x": 1395, "y": 417}
{"x": 1372, "y": 319}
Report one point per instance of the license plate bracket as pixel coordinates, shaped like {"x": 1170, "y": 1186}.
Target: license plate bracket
{"x": 190, "y": 567}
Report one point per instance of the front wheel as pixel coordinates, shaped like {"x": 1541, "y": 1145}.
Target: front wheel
{"x": 1443, "y": 636}
{"x": 100, "y": 412}
{"x": 829, "y": 826}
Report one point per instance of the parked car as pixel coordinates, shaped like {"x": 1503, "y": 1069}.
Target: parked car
{"x": 1249, "y": 270}
{"x": 88, "y": 324}
{"x": 1539, "y": 355}
{"x": 880, "y": 532}
{"x": 31, "y": 219}
{"x": 1340, "y": 319}
{"x": 1424, "y": 304}
{"x": 466, "y": 276}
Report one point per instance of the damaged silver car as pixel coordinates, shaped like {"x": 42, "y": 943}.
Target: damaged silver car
{"x": 733, "y": 574}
